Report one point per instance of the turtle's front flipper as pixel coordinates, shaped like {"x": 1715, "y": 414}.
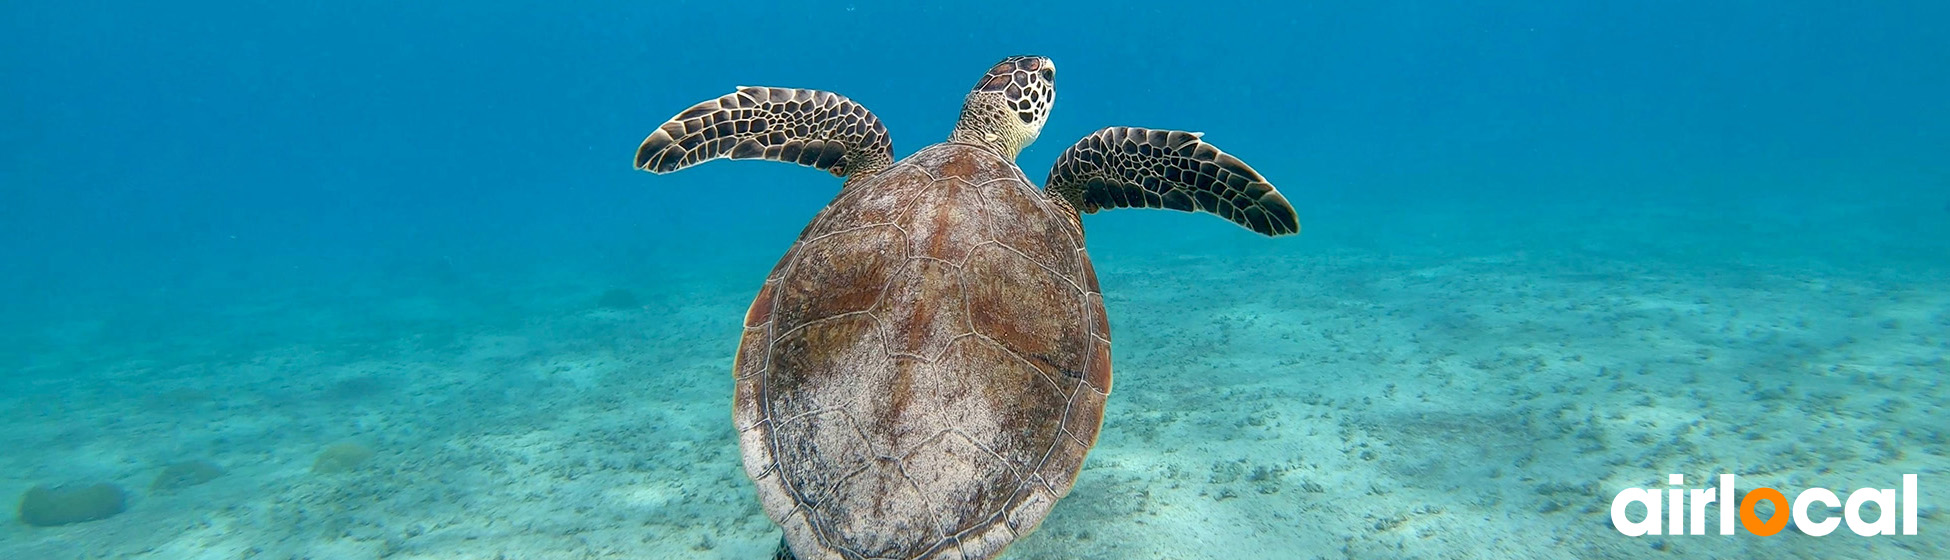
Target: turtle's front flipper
{"x": 808, "y": 127}
{"x": 1124, "y": 167}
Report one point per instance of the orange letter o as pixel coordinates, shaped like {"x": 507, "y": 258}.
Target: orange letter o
{"x": 1773, "y": 524}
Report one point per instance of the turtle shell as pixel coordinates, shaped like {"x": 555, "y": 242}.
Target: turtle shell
{"x": 925, "y": 369}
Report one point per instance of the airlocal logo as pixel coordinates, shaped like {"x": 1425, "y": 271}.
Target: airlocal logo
{"x": 1676, "y": 511}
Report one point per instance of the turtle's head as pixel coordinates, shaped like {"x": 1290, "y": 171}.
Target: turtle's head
{"x": 1007, "y": 109}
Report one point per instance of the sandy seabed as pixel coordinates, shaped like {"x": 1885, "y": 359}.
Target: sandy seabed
{"x": 1342, "y": 403}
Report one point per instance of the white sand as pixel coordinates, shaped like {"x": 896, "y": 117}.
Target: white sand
{"x": 1358, "y": 397}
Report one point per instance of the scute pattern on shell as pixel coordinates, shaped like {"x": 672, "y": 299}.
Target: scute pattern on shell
{"x": 924, "y": 372}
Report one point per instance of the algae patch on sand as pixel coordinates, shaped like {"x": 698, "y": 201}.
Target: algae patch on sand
{"x": 618, "y": 298}
{"x": 185, "y": 474}
{"x": 341, "y": 457}
{"x": 49, "y": 506}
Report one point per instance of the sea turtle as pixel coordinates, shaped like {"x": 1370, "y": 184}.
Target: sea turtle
{"x": 923, "y": 371}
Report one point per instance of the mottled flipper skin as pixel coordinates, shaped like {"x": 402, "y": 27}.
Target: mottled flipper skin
{"x": 924, "y": 371}
{"x": 808, "y": 127}
{"x": 1125, "y": 167}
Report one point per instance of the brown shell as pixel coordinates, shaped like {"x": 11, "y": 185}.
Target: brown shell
{"x": 925, "y": 369}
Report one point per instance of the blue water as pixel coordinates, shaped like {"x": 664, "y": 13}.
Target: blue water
{"x": 193, "y": 185}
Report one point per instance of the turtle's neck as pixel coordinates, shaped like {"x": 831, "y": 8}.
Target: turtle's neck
{"x": 984, "y": 122}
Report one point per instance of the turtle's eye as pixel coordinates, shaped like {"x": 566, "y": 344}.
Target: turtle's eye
{"x": 1049, "y": 74}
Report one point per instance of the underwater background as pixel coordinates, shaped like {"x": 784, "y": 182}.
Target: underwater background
{"x": 363, "y": 279}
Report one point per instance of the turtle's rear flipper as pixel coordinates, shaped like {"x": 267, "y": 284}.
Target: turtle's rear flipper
{"x": 808, "y": 127}
{"x": 784, "y": 552}
{"x": 1124, "y": 167}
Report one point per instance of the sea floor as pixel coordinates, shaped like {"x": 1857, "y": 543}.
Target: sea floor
{"x": 1422, "y": 396}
